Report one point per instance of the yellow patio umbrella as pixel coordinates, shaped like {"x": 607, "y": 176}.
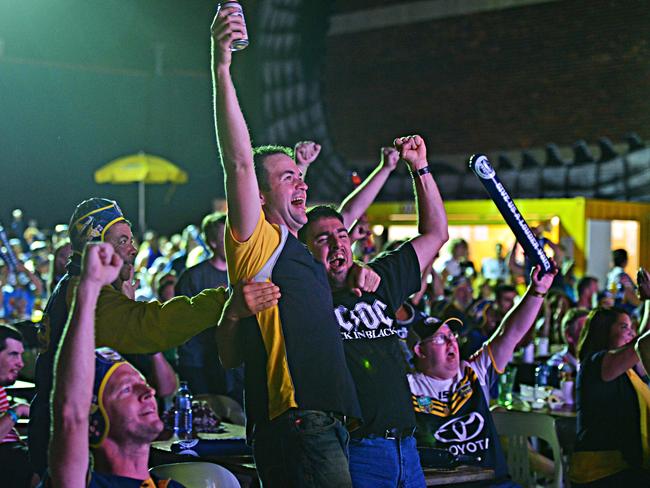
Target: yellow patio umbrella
{"x": 143, "y": 169}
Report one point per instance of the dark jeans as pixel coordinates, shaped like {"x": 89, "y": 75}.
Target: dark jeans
{"x": 15, "y": 470}
{"x": 302, "y": 448}
{"x": 385, "y": 463}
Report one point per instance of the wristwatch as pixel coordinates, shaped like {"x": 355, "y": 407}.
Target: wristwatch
{"x": 421, "y": 172}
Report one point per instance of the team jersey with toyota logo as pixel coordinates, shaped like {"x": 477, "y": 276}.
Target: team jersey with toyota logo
{"x": 371, "y": 342}
{"x": 454, "y": 414}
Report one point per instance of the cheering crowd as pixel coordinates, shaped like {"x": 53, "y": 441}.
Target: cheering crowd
{"x": 355, "y": 366}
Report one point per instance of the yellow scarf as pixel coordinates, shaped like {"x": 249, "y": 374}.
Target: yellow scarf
{"x": 643, "y": 395}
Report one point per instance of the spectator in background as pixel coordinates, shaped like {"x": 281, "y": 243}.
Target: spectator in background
{"x": 605, "y": 299}
{"x": 32, "y": 234}
{"x": 558, "y": 305}
{"x": 476, "y": 337}
{"x": 18, "y": 228}
{"x": 197, "y": 358}
{"x": 496, "y": 268}
{"x": 504, "y": 296}
{"x": 178, "y": 260}
{"x": 62, "y": 253}
{"x": 165, "y": 283}
{"x": 620, "y": 283}
{"x": 149, "y": 251}
{"x": 565, "y": 361}
{"x": 451, "y": 267}
{"x": 460, "y": 300}
{"x": 20, "y": 293}
{"x": 587, "y": 290}
{"x": 15, "y": 470}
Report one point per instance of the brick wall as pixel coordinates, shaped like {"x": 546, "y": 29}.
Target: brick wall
{"x": 513, "y": 78}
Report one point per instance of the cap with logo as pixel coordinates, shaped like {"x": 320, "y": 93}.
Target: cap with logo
{"x": 431, "y": 325}
{"x": 91, "y": 219}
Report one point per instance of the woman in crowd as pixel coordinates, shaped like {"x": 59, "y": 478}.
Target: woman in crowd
{"x": 613, "y": 401}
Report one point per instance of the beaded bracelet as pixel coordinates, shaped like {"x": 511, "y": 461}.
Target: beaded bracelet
{"x": 12, "y": 413}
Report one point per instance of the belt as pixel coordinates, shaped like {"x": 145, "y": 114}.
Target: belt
{"x": 393, "y": 433}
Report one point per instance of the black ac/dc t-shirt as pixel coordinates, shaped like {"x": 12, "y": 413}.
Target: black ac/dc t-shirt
{"x": 368, "y": 329}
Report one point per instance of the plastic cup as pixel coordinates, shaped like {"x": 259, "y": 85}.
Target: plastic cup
{"x": 506, "y": 384}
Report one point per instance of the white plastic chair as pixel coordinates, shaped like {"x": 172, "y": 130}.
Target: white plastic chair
{"x": 197, "y": 475}
{"x": 518, "y": 427}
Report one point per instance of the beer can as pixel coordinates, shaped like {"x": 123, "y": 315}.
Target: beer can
{"x": 238, "y": 44}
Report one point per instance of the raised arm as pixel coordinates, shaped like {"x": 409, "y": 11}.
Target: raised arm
{"x": 242, "y": 191}
{"x": 305, "y": 153}
{"x": 357, "y": 202}
{"x": 520, "y": 319}
{"x": 34, "y": 280}
{"x": 163, "y": 379}
{"x": 75, "y": 368}
{"x": 432, "y": 218}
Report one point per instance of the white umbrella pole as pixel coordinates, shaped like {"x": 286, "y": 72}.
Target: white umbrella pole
{"x": 141, "y": 207}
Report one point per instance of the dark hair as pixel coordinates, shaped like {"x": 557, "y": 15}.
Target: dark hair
{"x": 9, "y": 332}
{"x": 315, "y": 213}
{"x": 584, "y": 283}
{"x": 619, "y": 256}
{"x": 571, "y": 317}
{"x": 260, "y": 153}
{"x": 456, "y": 243}
{"x": 501, "y": 289}
{"x": 163, "y": 280}
{"x": 595, "y": 334}
{"x": 210, "y": 224}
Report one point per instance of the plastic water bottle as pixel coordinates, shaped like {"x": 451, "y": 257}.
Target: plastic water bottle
{"x": 183, "y": 412}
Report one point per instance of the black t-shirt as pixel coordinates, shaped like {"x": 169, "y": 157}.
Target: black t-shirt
{"x": 369, "y": 331}
{"x": 202, "y": 348}
{"x": 608, "y": 412}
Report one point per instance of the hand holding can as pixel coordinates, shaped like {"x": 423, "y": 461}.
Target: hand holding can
{"x": 237, "y": 44}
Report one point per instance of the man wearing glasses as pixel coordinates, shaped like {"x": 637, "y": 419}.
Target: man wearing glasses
{"x": 451, "y": 397}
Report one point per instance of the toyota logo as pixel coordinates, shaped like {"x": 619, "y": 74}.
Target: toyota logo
{"x": 461, "y": 429}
